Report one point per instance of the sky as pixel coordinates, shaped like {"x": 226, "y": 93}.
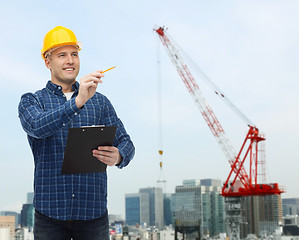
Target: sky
{"x": 249, "y": 48}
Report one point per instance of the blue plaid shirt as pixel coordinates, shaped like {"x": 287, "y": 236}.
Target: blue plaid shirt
{"x": 46, "y": 117}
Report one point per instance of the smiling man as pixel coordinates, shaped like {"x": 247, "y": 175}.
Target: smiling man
{"x": 64, "y": 65}
{"x": 69, "y": 206}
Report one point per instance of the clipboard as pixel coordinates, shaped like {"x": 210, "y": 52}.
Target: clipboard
{"x": 81, "y": 141}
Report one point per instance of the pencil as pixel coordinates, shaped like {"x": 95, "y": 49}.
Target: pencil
{"x": 108, "y": 69}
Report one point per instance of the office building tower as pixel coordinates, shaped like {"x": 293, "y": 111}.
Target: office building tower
{"x": 290, "y": 206}
{"x": 156, "y": 207}
{"x": 261, "y": 215}
{"x": 145, "y": 208}
{"x": 167, "y": 209}
{"x": 198, "y": 207}
{"x": 137, "y": 209}
{"x": 27, "y": 215}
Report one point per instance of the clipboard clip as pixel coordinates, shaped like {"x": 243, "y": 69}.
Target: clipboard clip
{"x": 92, "y": 126}
{"x": 97, "y": 126}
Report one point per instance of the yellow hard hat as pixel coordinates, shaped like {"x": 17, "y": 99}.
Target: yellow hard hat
{"x": 57, "y": 37}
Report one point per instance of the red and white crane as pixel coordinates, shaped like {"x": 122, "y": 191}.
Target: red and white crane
{"x": 249, "y": 149}
{"x": 240, "y": 182}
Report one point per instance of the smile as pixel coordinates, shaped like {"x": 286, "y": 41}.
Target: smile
{"x": 69, "y": 69}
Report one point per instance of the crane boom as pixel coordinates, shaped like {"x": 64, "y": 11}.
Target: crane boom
{"x": 201, "y": 102}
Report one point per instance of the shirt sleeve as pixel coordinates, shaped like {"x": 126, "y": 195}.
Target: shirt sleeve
{"x": 41, "y": 124}
{"x": 122, "y": 139}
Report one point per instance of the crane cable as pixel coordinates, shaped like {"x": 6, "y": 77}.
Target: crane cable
{"x": 213, "y": 86}
{"x": 159, "y": 97}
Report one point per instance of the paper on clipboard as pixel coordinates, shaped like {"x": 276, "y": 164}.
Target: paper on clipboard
{"x": 78, "y": 156}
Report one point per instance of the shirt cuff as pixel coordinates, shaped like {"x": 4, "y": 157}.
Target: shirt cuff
{"x": 122, "y": 164}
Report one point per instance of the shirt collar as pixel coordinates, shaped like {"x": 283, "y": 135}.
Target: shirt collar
{"x": 58, "y": 89}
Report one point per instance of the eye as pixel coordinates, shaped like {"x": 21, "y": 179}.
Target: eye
{"x": 75, "y": 54}
{"x": 61, "y": 55}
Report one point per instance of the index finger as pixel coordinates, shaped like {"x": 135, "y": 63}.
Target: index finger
{"x": 98, "y": 74}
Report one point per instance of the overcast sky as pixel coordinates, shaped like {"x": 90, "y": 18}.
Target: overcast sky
{"x": 248, "y": 48}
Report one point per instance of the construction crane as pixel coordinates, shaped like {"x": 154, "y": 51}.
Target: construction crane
{"x": 240, "y": 182}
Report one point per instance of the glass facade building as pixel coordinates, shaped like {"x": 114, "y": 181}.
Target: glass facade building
{"x": 27, "y": 215}
{"x": 137, "y": 209}
{"x": 199, "y": 203}
{"x": 145, "y": 208}
{"x": 132, "y": 209}
{"x": 167, "y": 209}
{"x": 156, "y": 206}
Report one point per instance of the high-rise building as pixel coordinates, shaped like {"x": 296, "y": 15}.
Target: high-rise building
{"x": 215, "y": 201}
{"x": 156, "y": 207}
{"x": 27, "y": 215}
{"x": 197, "y": 204}
{"x": 145, "y": 207}
{"x": 132, "y": 203}
{"x": 137, "y": 209}
{"x": 290, "y": 206}
{"x": 167, "y": 209}
{"x": 261, "y": 215}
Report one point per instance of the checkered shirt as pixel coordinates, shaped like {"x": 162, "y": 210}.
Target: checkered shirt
{"x": 46, "y": 117}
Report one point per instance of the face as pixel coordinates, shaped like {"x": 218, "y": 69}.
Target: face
{"x": 64, "y": 64}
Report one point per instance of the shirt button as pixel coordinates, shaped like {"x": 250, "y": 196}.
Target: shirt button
{"x": 76, "y": 113}
{"x": 73, "y": 195}
{"x": 59, "y": 88}
{"x": 63, "y": 124}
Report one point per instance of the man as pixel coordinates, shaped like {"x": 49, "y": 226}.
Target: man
{"x": 69, "y": 206}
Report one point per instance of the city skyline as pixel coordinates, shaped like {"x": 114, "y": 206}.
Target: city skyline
{"x": 185, "y": 204}
{"x": 291, "y": 204}
{"x": 248, "y": 48}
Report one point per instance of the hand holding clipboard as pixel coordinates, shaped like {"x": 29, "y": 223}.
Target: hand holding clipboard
{"x": 78, "y": 157}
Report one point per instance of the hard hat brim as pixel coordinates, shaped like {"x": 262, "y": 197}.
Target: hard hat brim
{"x": 78, "y": 45}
